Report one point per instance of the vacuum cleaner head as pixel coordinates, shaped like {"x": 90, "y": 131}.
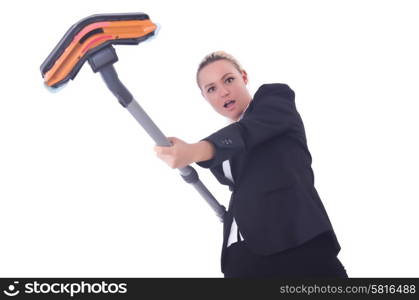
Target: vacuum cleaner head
{"x": 89, "y": 36}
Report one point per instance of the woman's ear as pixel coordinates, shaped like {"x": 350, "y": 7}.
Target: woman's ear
{"x": 244, "y": 76}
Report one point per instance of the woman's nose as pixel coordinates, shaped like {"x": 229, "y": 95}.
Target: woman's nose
{"x": 224, "y": 91}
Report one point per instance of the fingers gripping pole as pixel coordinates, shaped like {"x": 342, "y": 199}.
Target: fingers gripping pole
{"x": 103, "y": 62}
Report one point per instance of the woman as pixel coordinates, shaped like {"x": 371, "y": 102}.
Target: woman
{"x": 276, "y": 225}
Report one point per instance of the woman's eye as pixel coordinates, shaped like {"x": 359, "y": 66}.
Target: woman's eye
{"x": 229, "y": 80}
{"x": 211, "y": 89}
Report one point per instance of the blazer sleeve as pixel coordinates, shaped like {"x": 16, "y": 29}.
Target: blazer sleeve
{"x": 273, "y": 114}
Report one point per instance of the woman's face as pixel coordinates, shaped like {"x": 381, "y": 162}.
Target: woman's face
{"x": 224, "y": 87}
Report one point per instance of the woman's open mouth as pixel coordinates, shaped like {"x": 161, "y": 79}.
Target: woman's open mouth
{"x": 229, "y": 104}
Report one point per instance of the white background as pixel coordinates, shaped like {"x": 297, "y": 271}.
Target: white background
{"x": 83, "y": 194}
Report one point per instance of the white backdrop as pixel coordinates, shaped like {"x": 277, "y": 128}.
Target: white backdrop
{"x": 83, "y": 194}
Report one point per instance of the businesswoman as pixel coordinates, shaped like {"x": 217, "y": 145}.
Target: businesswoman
{"x": 276, "y": 224}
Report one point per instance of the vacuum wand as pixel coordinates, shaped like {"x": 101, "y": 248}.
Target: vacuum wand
{"x": 102, "y": 62}
{"x": 188, "y": 173}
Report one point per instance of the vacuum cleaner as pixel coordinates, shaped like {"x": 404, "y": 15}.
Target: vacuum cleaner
{"x": 92, "y": 39}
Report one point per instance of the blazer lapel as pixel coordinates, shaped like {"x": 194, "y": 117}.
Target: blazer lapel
{"x": 219, "y": 174}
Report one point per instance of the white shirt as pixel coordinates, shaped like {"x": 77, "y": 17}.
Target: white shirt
{"x": 232, "y": 238}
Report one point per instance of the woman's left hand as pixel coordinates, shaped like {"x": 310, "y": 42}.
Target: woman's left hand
{"x": 179, "y": 155}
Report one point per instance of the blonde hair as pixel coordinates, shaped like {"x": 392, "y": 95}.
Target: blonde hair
{"x": 215, "y": 56}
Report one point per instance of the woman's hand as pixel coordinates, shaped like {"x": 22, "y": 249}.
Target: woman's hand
{"x": 181, "y": 154}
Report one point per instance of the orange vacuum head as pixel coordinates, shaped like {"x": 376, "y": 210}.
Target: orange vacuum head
{"x": 89, "y": 36}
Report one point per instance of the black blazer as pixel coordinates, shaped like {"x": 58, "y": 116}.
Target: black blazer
{"x": 274, "y": 201}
